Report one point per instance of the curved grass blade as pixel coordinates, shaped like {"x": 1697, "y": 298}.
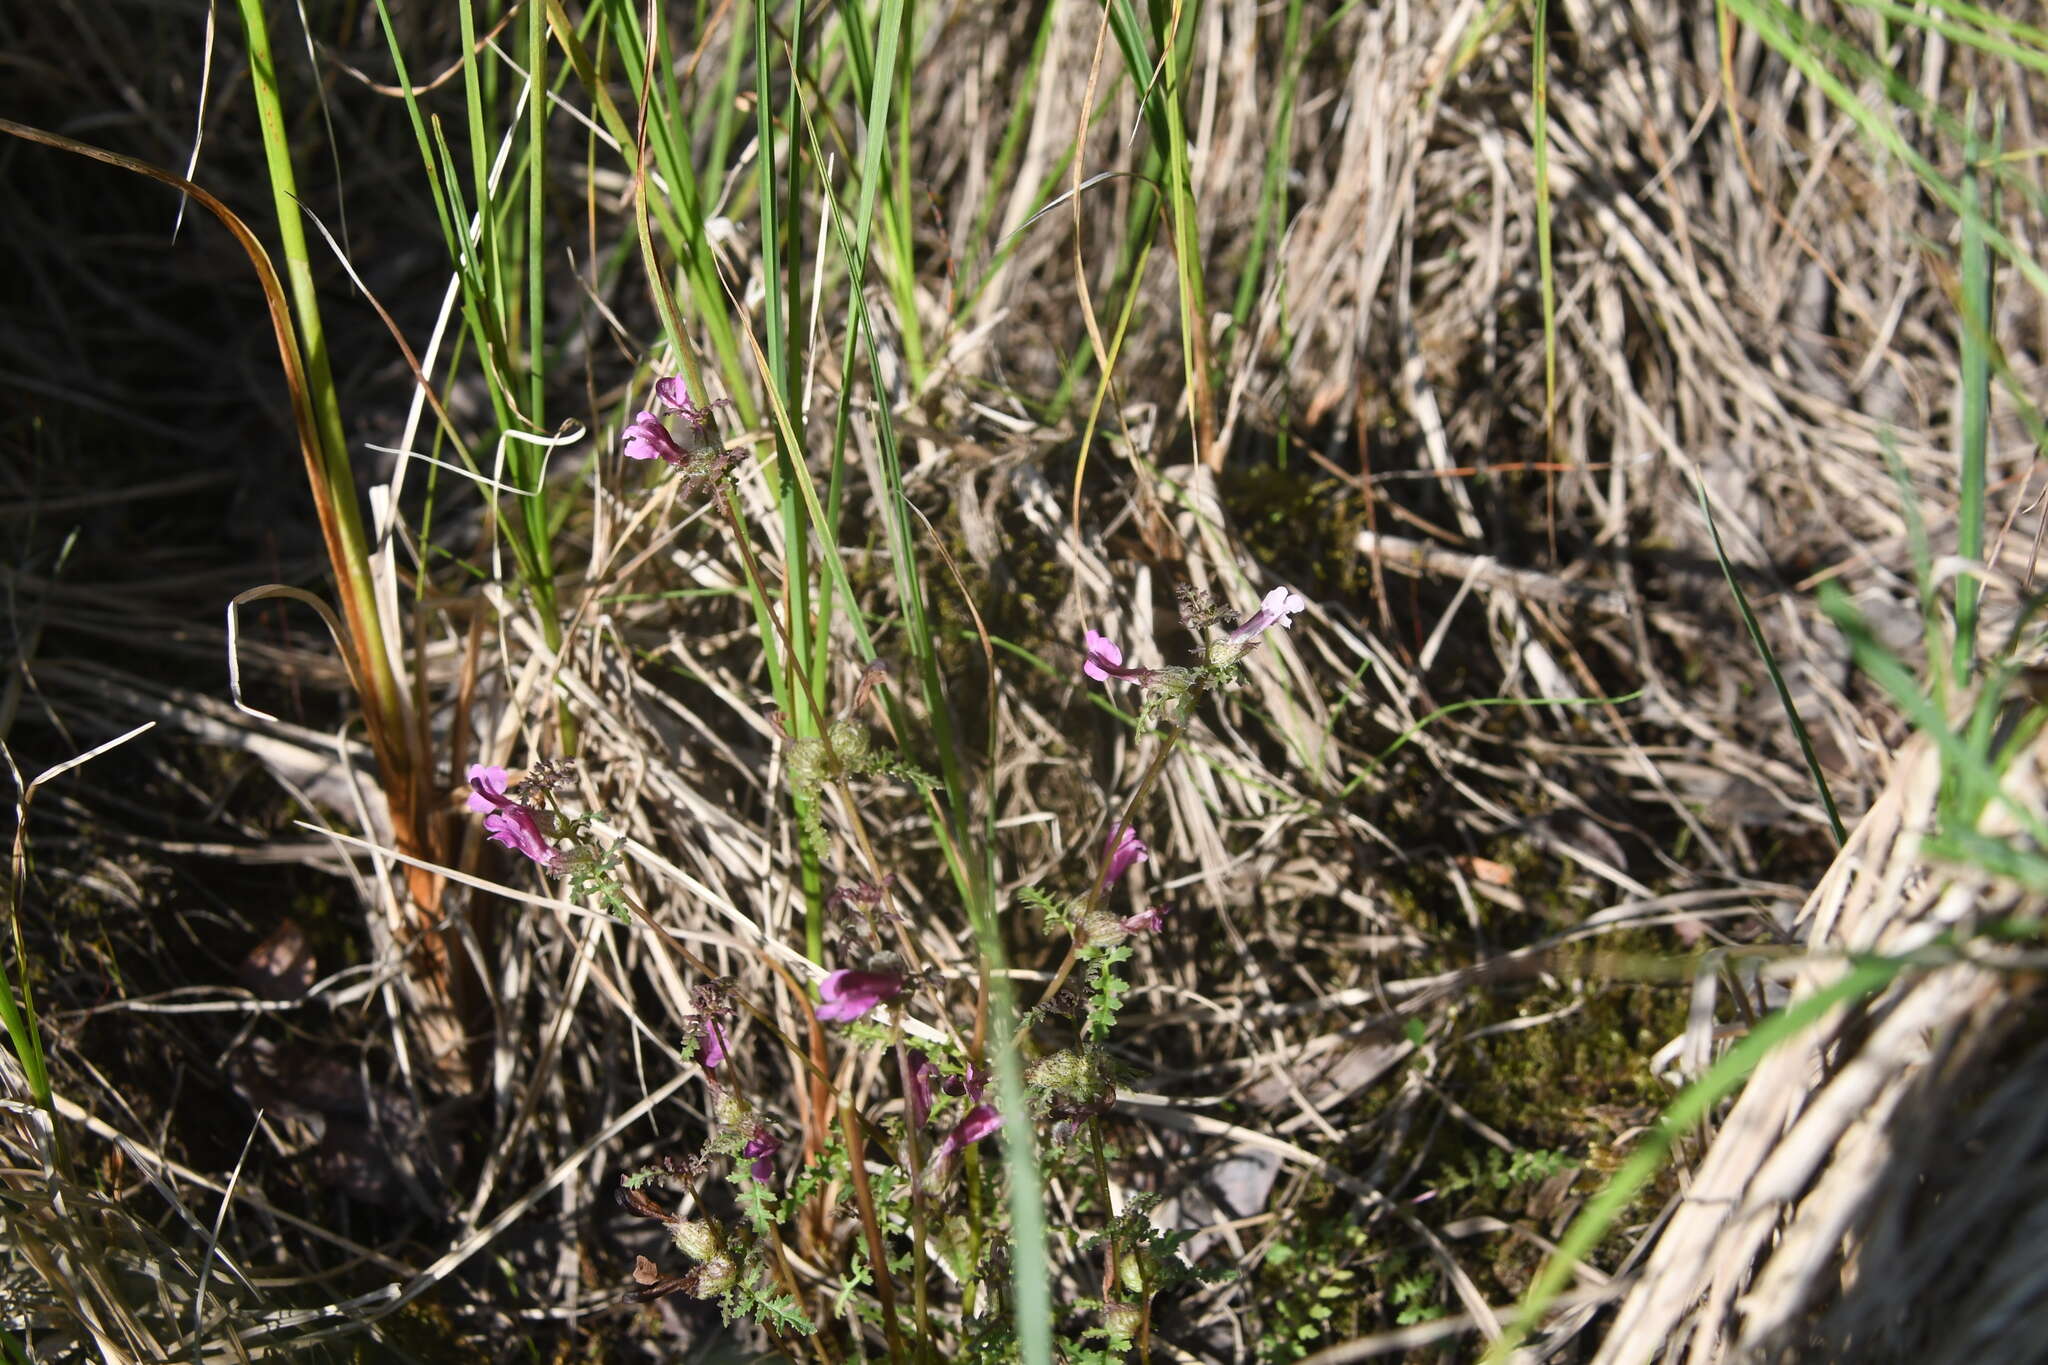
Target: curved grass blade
{"x": 1763, "y": 648}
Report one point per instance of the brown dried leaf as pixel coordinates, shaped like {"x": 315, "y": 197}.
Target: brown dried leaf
{"x": 282, "y": 966}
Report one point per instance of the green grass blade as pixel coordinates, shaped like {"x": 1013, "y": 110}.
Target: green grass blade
{"x": 348, "y": 546}
{"x": 1974, "y": 382}
{"x": 1547, "y": 278}
{"x": 1763, "y": 649}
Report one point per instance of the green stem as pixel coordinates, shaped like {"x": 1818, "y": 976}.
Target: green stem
{"x": 334, "y": 488}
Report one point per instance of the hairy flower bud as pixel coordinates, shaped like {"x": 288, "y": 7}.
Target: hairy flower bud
{"x": 849, "y": 741}
{"x": 1100, "y": 928}
{"x": 1063, "y": 1073}
{"x": 698, "y": 1238}
{"x": 712, "y": 1278}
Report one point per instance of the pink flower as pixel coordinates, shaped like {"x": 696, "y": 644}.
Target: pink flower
{"x": 506, "y": 821}
{"x": 851, "y": 994}
{"x": 675, "y": 392}
{"x": 1105, "y": 660}
{"x": 648, "y": 439}
{"x": 487, "y": 789}
{"x": 1125, "y": 848}
{"x": 1280, "y": 605}
{"x": 1148, "y": 920}
{"x": 980, "y": 1121}
{"x": 762, "y": 1147}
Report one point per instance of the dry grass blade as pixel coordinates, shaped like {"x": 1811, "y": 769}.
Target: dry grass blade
{"x": 1898, "y": 1115}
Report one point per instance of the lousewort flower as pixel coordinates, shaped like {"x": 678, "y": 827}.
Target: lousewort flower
{"x": 762, "y": 1147}
{"x": 919, "y": 1100}
{"x": 980, "y": 1121}
{"x": 702, "y": 419}
{"x": 968, "y": 1082}
{"x": 850, "y": 994}
{"x": 1277, "y": 610}
{"x": 648, "y": 439}
{"x": 1149, "y": 920}
{"x": 700, "y": 456}
{"x": 1125, "y": 848}
{"x": 1105, "y": 660}
{"x": 515, "y": 826}
{"x": 715, "y": 1048}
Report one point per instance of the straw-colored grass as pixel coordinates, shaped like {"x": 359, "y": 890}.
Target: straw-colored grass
{"x": 1470, "y": 877}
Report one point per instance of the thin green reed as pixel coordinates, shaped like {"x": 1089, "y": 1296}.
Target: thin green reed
{"x": 1803, "y": 43}
{"x": 679, "y": 205}
{"x": 1770, "y": 662}
{"x": 348, "y": 547}
{"x": 498, "y": 281}
{"x": 1974, "y": 381}
{"x": 778, "y": 180}
{"x": 1279, "y": 159}
{"x": 1973, "y": 199}
{"x": 1160, "y": 77}
{"x": 1174, "y": 24}
{"x": 1539, "y": 100}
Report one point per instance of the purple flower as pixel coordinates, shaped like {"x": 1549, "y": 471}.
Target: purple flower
{"x": 1105, "y": 660}
{"x": 1280, "y": 605}
{"x": 648, "y": 439}
{"x": 506, "y": 821}
{"x": 850, "y": 994}
{"x": 715, "y": 1048}
{"x": 980, "y": 1121}
{"x": 762, "y": 1147}
{"x": 1125, "y": 848}
{"x": 675, "y": 392}
{"x": 487, "y": 789}
{"x": 968, "y": 1083}
{"x": 1149, "y": 920}
{"x": 919, "y": 1100}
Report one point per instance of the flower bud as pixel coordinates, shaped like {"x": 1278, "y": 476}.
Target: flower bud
{"x": 698, "y": 1238}
{"x": 712, "y": 1278}
{"x": 1063, "y": 1072}
{"x": 1099, "y": 927}
{"x": 849, "y": 741}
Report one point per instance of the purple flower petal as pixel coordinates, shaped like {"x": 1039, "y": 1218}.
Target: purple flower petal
{"x": 1103, "y": 655}
{"x": 648, "y": 439}
{"x": 1148, "y": 920}
{"x": 487, "y": 789}
{"x": 762, "y": 1147}
{"x": 673, "y": 390}
{"x": 1277, "y": 609}
{"x": 516, "y": 828}
{"x": 968, "y": 1083}
{"x": 1125, "y": 848}
{"x": 715, "y": 1049}
{"x": 850, "y": 994}
{"x": 919, "y": 1100}
{"x": 981, "y": 1120}
{"x": 1105, "y": 660}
